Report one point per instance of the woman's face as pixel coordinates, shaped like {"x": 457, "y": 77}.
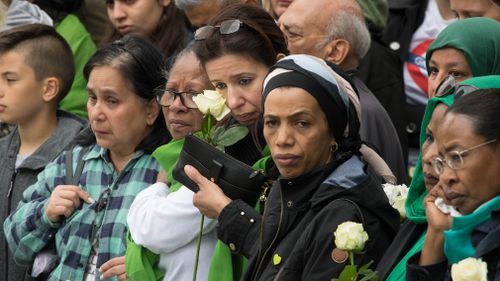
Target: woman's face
{"x": 478, "y": 180}
{"x": 239, "y": 79}
{"x": 478, "y": 8}
{"x": 429, "y": 147}
{"x": 296, "y": 131}
{"x": 185, "y": 76}
{"x": 444, "y": 62}
{"x": 135, "y": 16}
{"x": 119, "y": 118}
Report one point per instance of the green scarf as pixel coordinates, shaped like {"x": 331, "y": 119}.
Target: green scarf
{"x": 477, "y": 38}
{"x": 375, "y": 12}
{"x": 167, "y": 156}
{"x": 140, "y": 263}
{"x": 461, "y": 230}
{"x": 415, "y": 210}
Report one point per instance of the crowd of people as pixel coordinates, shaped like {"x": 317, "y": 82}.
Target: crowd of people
{"x": 338, "y": 99}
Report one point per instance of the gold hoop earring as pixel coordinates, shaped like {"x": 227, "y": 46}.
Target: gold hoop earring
{"x": 334, "y": 147}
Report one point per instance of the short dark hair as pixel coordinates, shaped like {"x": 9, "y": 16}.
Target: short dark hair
{"x": 44, "y": 50}
{"x": 259, "y": 38}
{"x": 482, "y": 107}
{"x": 137, "y": 59}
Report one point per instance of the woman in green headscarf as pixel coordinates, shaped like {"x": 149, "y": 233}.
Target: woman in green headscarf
{"x": 466, "y": 48}
{"x": 466, "y": 155}
{"x": 475, "y": 51}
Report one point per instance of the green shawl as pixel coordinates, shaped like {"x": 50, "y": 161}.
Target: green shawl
{"x": 414, "y": 203}
{"x": 477, "y": 38}
{"x": 141, "y": 263}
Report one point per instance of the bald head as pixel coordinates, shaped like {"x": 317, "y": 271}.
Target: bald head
{"x": 331, "y": 30}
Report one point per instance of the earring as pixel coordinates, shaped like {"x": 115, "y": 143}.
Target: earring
{"x": 334, "y": 147}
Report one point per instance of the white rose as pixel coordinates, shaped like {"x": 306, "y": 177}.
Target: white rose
{"x": 212, "y": 102}
{"x": 393, "y": 191}
{"x": 399, "y": 204}
{"x": 397, "y": 197}
{"x": 350, "y": 236}
{"x": 469, "y": 269}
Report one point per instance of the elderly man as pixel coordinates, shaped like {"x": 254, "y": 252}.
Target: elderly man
{"x": 200, "y": 12}
{"x": 336, "y": 31}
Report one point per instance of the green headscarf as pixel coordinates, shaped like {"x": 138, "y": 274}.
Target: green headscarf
{"x": 477, "y": 38}
{"x": 415, "y": 210}
{"x": 375, "y": 12}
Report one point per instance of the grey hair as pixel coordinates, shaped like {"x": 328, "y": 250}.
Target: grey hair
{"x": 347, "y": 24}
{"x": 188, "y": 4}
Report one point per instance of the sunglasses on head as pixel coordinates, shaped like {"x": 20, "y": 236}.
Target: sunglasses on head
{"x": 450, "y": 86}
{"x": 225, "y": 27}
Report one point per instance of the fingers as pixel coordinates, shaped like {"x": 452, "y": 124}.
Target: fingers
{"x": 64, "y": 200}
{"x": 113, "y": 267}
{"x": 162, "y": 176}
{"x": 195, "y": 176}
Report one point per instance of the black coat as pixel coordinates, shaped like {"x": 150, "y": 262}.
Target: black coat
{"x": 485, "y": 238}
{"x": 299, "y": 220}
{"x": 405, "y": 17}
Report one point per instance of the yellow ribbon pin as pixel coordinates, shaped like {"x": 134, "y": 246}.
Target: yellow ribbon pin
{"x": 276, "y": 259}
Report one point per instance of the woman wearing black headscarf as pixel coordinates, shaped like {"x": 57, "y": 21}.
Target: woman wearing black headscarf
{"x": 311, "y": 126}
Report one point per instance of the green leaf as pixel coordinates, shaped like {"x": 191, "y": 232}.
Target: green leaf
{"x": 349, "y": 273}
{"x": 369, "y": 275}
{"x": 217, "y": 132}
{"x": 232, "y": 135}
{"x": 366, "y": 266}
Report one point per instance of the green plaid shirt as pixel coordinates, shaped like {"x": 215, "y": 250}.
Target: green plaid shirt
{"x": 28, "y": 229}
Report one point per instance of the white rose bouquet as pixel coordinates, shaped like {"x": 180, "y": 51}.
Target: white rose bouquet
{"x": 351, "y": 238}
{"x": 397, "y": 197}
{"x": 213, "y": 106}
{"x": 469, "y": 269}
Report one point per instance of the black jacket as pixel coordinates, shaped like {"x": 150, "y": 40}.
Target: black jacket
{"x": 485, "y": 238}
{"x": 408, "y": 234}
{"x": 405, "y": 17}
{"x": 293, "y": 239}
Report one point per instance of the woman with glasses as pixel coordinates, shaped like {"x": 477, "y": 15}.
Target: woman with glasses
{"x": 411, "y": 234}
{"x": 162, "y": 217}
{"x": 311, "y": 124}
{"x": 87, "y": 221}
{"x": 463, "y": 209}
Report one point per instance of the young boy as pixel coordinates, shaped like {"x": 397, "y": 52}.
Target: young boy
{"x": 36, "y": 72}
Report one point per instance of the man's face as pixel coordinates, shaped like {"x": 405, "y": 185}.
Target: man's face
{"x": 304, "y": 28}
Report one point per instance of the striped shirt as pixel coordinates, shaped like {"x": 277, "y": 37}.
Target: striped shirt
{"x": 28, "y": 229}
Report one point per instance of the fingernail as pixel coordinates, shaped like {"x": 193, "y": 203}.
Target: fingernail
{"x": 92, "y": 201}
{"x": 100, "y": 269}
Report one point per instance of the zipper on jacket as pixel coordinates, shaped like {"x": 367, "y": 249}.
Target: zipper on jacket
{"x": 256, "y": 272}
{"x": 11, "y": 186}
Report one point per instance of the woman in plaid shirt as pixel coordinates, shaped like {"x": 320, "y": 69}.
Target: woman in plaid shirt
{"x": 88, "y": 221}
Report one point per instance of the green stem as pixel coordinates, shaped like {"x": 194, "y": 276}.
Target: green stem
{"x": 198, "y": 245}
{"x": 351, "y": 257}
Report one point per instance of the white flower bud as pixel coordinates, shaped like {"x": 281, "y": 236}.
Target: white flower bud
{"x": 350, "y": 236}
{"x": 469, "y": 269}
{"x": 212, "y": 102}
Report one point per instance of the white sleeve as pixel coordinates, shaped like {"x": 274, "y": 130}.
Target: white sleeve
{"x": 165, "y": 221}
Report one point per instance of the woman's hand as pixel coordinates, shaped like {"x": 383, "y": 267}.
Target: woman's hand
{"x": 114, "y": 267}
{"x": 210, "y": 199}
{"x": 162, "y": 177}
{"x": 64, "y": 200}
{"x": 436, "y": 219}
{"x": 438, "y": 222}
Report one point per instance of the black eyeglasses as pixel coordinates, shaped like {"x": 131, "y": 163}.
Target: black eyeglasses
{"x": 449, "y": 86}
{"x": 166, "y": 98}
{"x": 225, "y": 27}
